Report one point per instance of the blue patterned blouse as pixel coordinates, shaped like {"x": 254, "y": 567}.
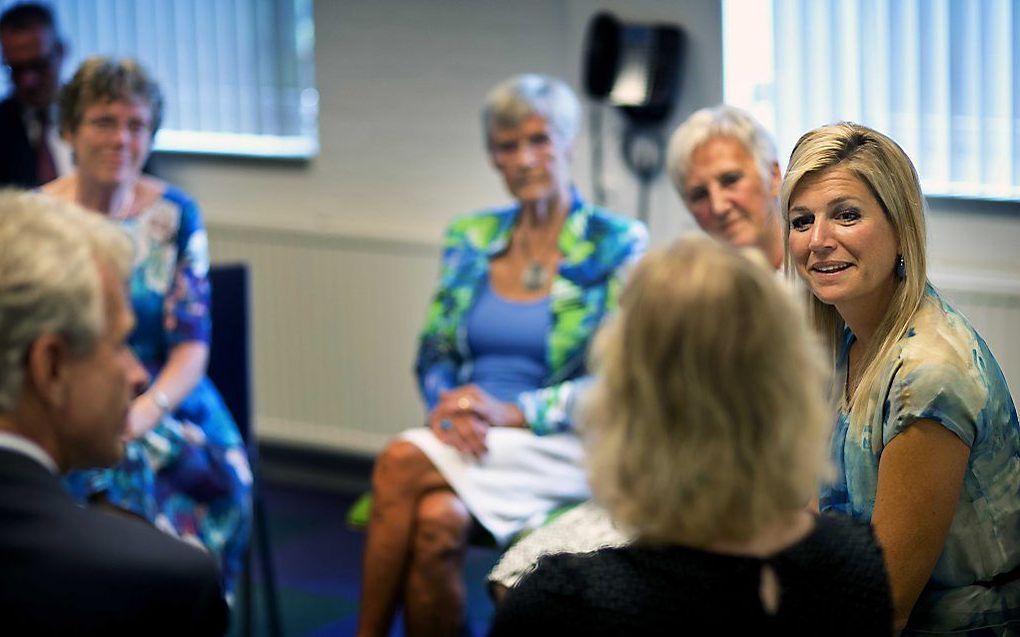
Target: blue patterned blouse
{"x": 941, "y": 370}
{"x": 189, "y": 475}
{"x": 597, "y": 246}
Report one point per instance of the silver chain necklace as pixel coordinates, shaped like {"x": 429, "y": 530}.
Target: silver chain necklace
{"x": 535, "y": 276}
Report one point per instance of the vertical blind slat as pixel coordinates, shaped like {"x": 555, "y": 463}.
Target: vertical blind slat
{"x": 933, "y": 23}
{"x": 996, "y": 80}
{"x": 1015, "y": 36}
{"x": 103, "y": 26}
{"x": 286, "y": 64}
{"x": 788, "y": 48}
{"x": 847, "y": 79}
{"x": 247, "y": 102}
{"x": 876, "y": 94}
{"x": 206, "y": 43}
{"x": 816, "y": 81}
{"x": 965, "y": 78}
{"x": 264, "y": 37}
{"x": 906, "y": 81}
{"x": 164, "y": 37}
{"x": 187, "y": 101}
{"x": 226, "y": 60}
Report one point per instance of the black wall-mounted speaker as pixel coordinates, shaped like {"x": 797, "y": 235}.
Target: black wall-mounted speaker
{"x": 635, "y": 67}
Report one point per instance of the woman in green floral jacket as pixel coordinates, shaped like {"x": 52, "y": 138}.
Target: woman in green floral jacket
{"x": 500, "y": 363}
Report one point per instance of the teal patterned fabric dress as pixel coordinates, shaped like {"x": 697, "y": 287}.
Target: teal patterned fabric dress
{"x": 941, "y": 370}
{"x": 189, "y": 475}
{"x": 598, "y": 248}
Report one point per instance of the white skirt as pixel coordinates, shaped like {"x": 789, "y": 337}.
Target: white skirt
{"x": 517, "y": 483}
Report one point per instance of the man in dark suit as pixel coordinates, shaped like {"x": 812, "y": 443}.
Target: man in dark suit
{"x": 67, "y": 376}
{"x": 31, "y": 152}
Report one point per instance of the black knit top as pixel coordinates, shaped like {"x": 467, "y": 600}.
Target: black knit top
{"x": 833, "y": 582}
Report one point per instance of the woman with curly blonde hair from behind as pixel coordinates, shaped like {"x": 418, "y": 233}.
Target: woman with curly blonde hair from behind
{"x": 706, "y": 433}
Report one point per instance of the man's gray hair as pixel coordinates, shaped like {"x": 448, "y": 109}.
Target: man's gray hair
{"x": 50, "y": 254}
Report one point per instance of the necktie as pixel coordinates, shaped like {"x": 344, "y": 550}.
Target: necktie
{"x": 45, "y": 169}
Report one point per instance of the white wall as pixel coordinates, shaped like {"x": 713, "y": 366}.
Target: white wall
{"x": 401, "y": 83}
{"x": 975, "y": 236}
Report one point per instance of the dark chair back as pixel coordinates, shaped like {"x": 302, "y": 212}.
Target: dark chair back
{"x": 229, "y": 369}
{"x": 230, "y": 352}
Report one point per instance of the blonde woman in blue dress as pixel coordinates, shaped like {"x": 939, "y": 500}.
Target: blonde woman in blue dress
{"x": 926, "y": 442}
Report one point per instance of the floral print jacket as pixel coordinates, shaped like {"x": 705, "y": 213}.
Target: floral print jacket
{"x": 598, "y": 248}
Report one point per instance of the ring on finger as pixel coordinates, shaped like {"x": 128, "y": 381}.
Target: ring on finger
{"x": 445, "y": 425}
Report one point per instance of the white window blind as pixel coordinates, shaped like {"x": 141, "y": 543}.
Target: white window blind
{"x": 237, "y": 75}
{"x": 941, "y": 77}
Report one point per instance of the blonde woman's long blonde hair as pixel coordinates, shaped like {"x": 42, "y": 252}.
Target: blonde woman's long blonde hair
{"x": 880, "y": 164}
{"x": 708, "y": 418}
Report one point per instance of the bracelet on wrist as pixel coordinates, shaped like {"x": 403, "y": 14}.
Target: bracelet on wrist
{"x": 160, "y": 400}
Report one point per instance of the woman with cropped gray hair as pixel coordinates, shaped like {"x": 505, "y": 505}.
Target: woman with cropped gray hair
{"x": 719, "y": 121}
{"x": 724, "y": 165}
{"x": 520, "y": 97}
{"x": 521, "y": 291}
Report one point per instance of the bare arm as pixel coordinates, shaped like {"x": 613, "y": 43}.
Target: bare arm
{"x": 920, "y": 476}
{"x": 184, "y": 368}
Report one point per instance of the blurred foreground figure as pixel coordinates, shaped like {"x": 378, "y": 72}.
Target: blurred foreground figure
{"x": 67, "y": 378}
{"x": 706, "y": 432}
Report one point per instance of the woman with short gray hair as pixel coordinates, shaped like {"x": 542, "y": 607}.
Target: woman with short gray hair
{"x": 516, "y": 99}
{"x": 521, "y": 291}
{"x": 723, "y": 164}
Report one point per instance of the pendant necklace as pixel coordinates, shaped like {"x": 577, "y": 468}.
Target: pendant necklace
{"x": 124, "y": 210}
{"x": 535, "y": 277}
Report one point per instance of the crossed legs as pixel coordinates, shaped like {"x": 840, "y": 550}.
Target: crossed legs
{"x": 415, "y": 547}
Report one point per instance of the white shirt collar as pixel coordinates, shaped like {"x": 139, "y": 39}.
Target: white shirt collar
{"x": 24, "y": 446}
